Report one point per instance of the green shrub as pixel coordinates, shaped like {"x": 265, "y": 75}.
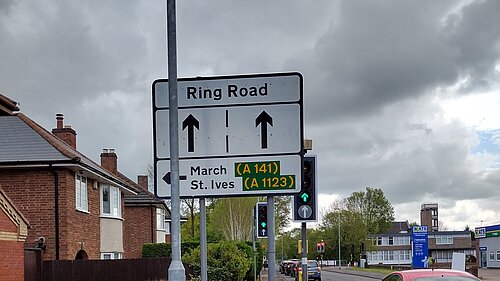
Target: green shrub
{"x": 226, "y": 261}
{"x": 152, "y": 250}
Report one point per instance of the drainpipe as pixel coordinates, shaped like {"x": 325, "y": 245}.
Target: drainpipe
{"x": 153, "y": 228}
{"x": 56, "y": 207}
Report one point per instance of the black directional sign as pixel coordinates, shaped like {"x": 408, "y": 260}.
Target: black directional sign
{"x": 263, "y": 120}
{"x": 229, "y": 122}
{"x": 190, "y": 122}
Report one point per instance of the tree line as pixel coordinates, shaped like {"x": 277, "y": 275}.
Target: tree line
{"x": 363, "y": 213}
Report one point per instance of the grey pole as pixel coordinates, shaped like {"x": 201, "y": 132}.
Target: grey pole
{"x": 203, "y": 240}
{"x": 253, "y": 243}
{"x": 271, "y": 256}
{"x": 340, "y": 266}
{"x": 176, "y": 270}
{"x": 304, "y": 251}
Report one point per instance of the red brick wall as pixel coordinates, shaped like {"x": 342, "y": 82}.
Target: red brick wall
{"x": 139, "y": 223}
{"x": 6, "y": 225}
{"x": 32, "y": 191}
{"x": 11, "y": 260}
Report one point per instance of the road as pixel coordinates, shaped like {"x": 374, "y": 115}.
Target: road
{"x": 330, "y": 276}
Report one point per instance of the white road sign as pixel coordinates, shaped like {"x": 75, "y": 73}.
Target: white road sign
{"x": 223, "y": 120}
{"x": 228, "y": 177}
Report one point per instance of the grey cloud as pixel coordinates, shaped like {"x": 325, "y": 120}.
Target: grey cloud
{"x": 473, "y": 35}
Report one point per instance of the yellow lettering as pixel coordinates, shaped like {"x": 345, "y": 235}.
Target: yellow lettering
{"x": 246, "y": 169}
{"x": 254, "y": 183}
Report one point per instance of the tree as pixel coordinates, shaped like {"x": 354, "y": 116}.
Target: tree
{"x": 281, "y": 213}
{"x": 188, "y": 209}
{"x": 233, "y": 217}
{"x": 352, "y": 232}
{"x": 376, "y": 211}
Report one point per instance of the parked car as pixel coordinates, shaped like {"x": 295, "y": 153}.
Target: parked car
{"x": 313, "y": 270}
{"x": 282, "y": 266}
{"x": 289, "y": 267}
{"x": 430, "y": 275}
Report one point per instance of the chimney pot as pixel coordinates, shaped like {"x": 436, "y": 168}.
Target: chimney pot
{"x": 65, "y": 133}
{"x": 59, "y": 120}
{"x": 109, "y": 160}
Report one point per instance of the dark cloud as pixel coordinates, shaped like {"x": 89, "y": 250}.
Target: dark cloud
{"x": 473, "y": 37}
{"x": 372, "y": 73}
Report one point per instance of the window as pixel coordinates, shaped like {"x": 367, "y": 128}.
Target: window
{"x": 492, "y": 256}
{"x": 498, "y": 255}
{"x": 81, "y": 194}
{"x": 111, "y": 256}
{"x": 110, "y": 201}
{"x": 444, "y": 239}
{"x": 391, "y": 240}
{"x": 160, "y": 219}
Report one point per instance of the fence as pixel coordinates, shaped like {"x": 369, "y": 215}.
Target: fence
{"x": 150, "y": 269}
{"x": 32, "y": 264}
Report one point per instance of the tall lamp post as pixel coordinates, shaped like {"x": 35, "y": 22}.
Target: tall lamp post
{"x": 282, "y": 249}
{"x": 340, "y": 266}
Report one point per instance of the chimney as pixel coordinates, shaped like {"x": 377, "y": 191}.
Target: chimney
{"x": 142, "y": 181}
{"x": 65, "y": 133}
{"x": 109, "y": 160}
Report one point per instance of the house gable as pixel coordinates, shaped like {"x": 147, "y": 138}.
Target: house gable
{"x": 13, "y": 226}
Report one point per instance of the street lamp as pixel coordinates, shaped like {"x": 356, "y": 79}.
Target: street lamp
{"x": 340, "y": 266}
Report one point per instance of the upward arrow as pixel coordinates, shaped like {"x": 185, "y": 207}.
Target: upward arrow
{"x": 263, "y": 119}
{"x": 190, "y": 122}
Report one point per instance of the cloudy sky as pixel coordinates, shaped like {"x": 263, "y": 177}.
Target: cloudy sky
{"x": 398, "y": 95}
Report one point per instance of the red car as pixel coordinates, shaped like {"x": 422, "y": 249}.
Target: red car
{"x": 430, "y": 275}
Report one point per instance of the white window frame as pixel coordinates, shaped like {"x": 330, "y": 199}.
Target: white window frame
{"x": 81, "y": 193}
{"x": 492, "y": 256}
{"x": 160, "y": 219}
{"x": 115, "y": 202}
{"x": 111, "y": 256}
{"x": 498, "y": 255}
{"x": 444, "y": 239}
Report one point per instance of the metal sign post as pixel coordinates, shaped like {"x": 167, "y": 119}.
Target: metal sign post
{"x": 203, "y": 240}
{"x": 271, "y": 256}
{"x": 176, "y": 270}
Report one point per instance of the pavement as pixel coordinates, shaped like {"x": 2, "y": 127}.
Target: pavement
{"x": 486, "y": 274}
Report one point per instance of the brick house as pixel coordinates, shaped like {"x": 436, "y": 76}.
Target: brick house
{"x": 144, "y": 214}
{"x": 13, "y": 232}
{"x": 69, "y": 200}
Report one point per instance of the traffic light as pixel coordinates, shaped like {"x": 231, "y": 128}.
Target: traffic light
{"x": 261, "y": 219}
{"x": 305, "y": 206}
{"x": 320, "y": 247}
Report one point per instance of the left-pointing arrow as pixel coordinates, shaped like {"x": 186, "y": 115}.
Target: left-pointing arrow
{"x": 190, "y": 122}
{"x": 167, "y": 178}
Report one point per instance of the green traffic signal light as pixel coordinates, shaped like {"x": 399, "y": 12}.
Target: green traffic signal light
{"x": 305, "y": 197}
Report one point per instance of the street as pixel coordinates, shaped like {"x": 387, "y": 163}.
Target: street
{"x": 330, "y": 276}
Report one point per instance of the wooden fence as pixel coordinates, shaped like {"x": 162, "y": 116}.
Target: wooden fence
{"x": 150, "y": 269}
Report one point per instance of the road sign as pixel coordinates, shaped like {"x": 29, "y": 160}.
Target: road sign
{"x": 228, "y": 177}
{"x": 228, "y": 121}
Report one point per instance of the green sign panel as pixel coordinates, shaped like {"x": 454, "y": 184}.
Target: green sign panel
{"x": 263, "y": 176}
